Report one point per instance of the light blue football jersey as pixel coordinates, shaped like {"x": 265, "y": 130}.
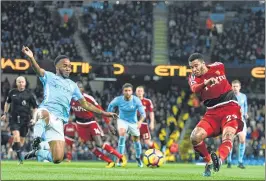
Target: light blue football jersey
{"x": 58, "y": 93}
{"x": 127, "y": 109}
{"x": 243, "y": 103}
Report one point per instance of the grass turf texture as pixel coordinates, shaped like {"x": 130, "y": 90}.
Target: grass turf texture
{"x": 32, "y": 170}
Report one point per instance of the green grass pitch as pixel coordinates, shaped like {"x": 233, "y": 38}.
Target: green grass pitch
{"x": 32, "y": 170}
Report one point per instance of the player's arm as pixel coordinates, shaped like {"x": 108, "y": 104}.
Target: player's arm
{"x": 77, "y": 95}
{"x": 90, "y": 99}
{"x": 197, "y": 87}
{"x": 90, "y": 107}
{"x": 39, "y": 71}
{"x": 151, "y": 114}
{"x": 7, "y": 106}
{"x": 34, "y": 108}
{"x": 246, "y": 108}
{"x": 141, "y": 111}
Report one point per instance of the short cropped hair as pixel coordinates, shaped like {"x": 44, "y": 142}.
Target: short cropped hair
{"x": 195, "y": 56}
{"x": 127, "y": 85}
{"x": 58, "y": 58}
{"x": 236, "y": 82}
{"x": 141, "y": 86}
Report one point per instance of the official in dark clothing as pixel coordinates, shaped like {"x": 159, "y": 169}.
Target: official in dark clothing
{"x": 23, "y": 105}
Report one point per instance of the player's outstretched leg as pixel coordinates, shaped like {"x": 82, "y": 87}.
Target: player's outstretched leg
{"x": 102, "y": 156}
{"x": 138, "y": 149}
{"x": 197, "y": 138}
{"x": 229, "y": 130}
{"x": 229, "y": 160}
{"x": 241, "y": 149}
{"x": 109, "y": 149}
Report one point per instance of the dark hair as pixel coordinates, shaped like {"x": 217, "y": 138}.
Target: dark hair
{"x": 58, "y": 58}
{"x": 127, "y": 85}
{"x": 195, "y": 56}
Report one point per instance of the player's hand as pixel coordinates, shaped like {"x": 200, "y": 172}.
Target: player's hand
{"x": 27, "y": 51}
{"x": 32, "y": 122}
{"x": 3, "y": 118}
{"x": 112, "y": 130}
{"x": 110, "y": 114}
{"x": 139, "y": 124}
{"x": 211, "y": 81}
{"x": 152, "y": 126}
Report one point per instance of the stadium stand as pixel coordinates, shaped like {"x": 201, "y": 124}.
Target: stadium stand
{"x": 47, "y": 36}
{"x": 130, "y": 41}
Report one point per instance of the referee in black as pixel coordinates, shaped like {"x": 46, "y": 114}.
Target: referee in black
{"x": 23, "y": 105}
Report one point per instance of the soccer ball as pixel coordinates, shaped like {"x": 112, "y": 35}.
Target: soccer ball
{"x": 153, "y": 158}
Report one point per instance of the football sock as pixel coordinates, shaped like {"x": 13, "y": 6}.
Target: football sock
{"x": 111, "y": 150}
{"x": 225, "y": 148}
{"x": 39, "y": 128}
{"x": 241, "y": 151}
{"x": 100, "y": 155}
{"x": 44, "y": 155}
{"x": 202, "y": 150}
{"x": 121, "y": 144}
{"x": 69, "y": 155}
{"x": 17, "y": 148}
{"x": 229, "y": 158}
{"x": 138, "y": 148}
{"x": 151, "y": 146}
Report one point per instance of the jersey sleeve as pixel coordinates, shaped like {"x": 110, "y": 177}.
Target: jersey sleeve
{"x": 218, "y": 65}
{"x": 112, "y": 105}
{"x": 90, "y": 99}
{"x": 194, "y": 85}
{"x": 150, "y": 106}
{"x": 9, "y": 97}
{"x": 140, "y": 108}
{"x": 46, "y": 77}
{"x": 33, "y": 101}
{"x": 77, "y": 95}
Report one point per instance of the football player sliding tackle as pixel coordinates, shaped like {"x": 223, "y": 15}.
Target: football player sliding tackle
{"x": 54, "y": 110}
{"x": 89, "y": 130}
{"x": 223, "y": 114}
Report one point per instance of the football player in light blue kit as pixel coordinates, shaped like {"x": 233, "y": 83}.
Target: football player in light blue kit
{"x": 54, "y": 110}
{"x": 128, "y": 105}
{"x": 242, "y": 100}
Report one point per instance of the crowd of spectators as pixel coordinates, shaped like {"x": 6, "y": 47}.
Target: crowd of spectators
{"x": 121, "y": 33}
{"x": 41, "y": 29}
{"x": 241, "y": 41}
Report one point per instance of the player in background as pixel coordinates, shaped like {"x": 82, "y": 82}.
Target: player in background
{"x": 54, "y": 110}
{"x": 89, "y": 130}
{"x": 128, "y": 105}
{"x": 242, "y": 100}
{"x": 70, "y": 131}
{"x": 148, "y": 107}
{"x": 223, "y": 114}
{"x": 22, "y": 104}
